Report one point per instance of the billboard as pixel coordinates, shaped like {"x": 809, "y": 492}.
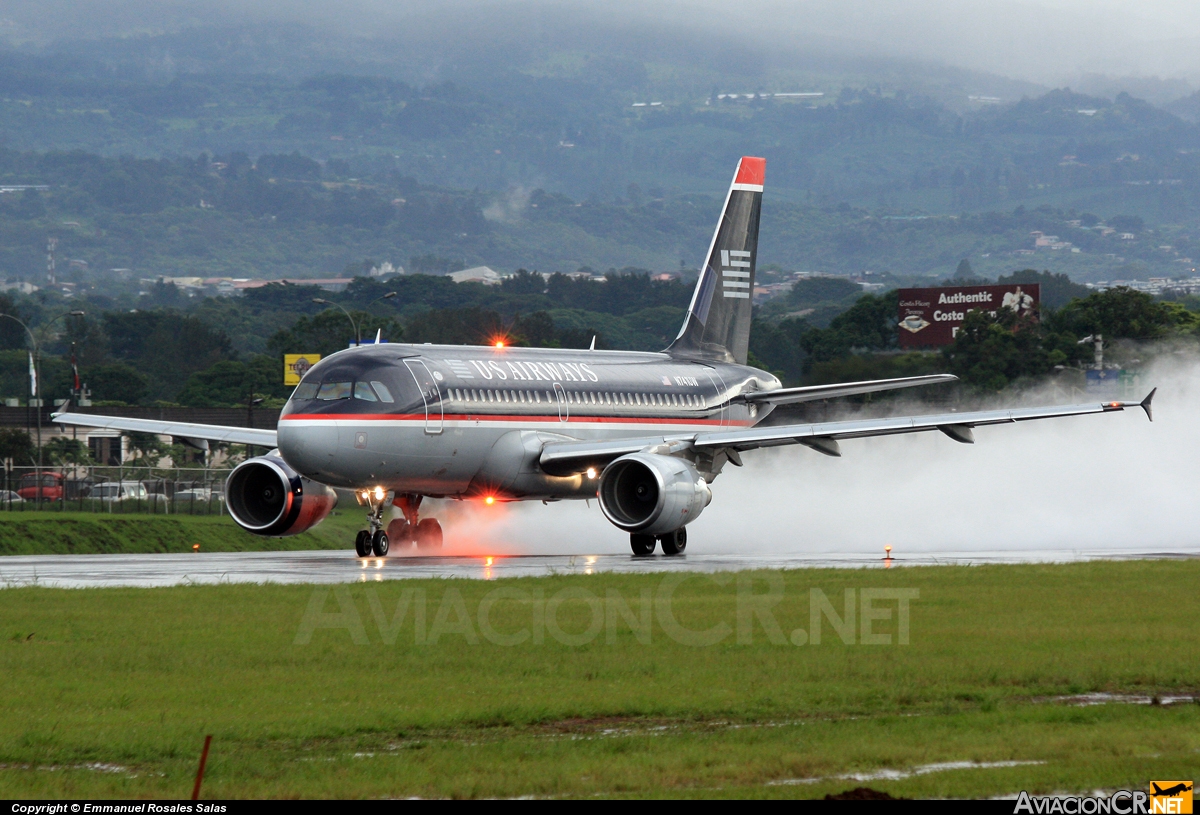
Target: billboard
{"x": 295, "y": 366}
{"x": 931, "y": 317}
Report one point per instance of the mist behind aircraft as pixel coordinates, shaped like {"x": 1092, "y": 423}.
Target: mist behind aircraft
{"x": 1085, "y": 486}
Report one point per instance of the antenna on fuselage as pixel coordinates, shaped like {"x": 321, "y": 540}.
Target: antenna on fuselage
{"x": 592, "y": 347}
{"x": 379, "y": 336}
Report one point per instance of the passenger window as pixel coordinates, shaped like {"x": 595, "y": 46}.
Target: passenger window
{"x": 334, "y": 390}
{"x": 363, "y": 391}
{"x": 385, "y": 395}
{"x": 305, "y": 390}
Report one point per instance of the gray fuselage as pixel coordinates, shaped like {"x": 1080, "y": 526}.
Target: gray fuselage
{"x": 470, "y": 421}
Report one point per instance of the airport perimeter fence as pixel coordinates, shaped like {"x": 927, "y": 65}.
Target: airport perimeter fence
{"x": 115, "y": 490}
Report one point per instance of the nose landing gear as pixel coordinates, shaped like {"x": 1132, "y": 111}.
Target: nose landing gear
{"x": 372, "y": 540}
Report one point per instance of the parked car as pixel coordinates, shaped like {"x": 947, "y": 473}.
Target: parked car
{"x": 10, "y": 497}
{"x": 110, "y": 491}
{"x": 197, "y": 495}
{"x": 45, "y": 485}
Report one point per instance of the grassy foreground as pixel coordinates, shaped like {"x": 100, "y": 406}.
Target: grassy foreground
{"x": 86, "y": 533}
{"x": 553, "y": 686}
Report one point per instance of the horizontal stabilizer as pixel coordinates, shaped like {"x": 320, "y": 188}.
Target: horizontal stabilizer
{"x": 787, "y": 396}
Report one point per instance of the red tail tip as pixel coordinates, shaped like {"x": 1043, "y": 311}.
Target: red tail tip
{"x": 751, "y": 170}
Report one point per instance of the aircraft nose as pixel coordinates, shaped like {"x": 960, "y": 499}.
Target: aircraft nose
{"x": 309, "y": 448}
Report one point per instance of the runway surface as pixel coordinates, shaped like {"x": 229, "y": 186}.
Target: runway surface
{"x": 96, "y": 571}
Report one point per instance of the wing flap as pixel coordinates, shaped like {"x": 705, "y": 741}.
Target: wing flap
{"x": 787, "y": 396}
{"x": 185, "y": 430}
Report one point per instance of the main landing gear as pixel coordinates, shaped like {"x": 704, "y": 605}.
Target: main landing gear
{"x": 672, "y": 543}
{"x": 425, "y": 532}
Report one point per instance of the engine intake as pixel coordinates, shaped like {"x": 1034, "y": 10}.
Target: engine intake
{"x": 652, "y": 494}
{"x": 267, "y": 497}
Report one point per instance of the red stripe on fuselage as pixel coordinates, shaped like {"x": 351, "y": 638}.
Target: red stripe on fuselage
{"x": 491, "y": 417}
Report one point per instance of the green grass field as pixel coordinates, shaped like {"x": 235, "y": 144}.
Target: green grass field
{"x": 86, "y": 533}
{"x": 553, "y": 687}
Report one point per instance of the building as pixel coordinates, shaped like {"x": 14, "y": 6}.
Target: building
{"x": 476, "y": 274}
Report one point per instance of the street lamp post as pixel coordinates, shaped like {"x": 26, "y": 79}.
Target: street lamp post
{"x": 357, "y": 336}
{"x": 387, "y": 296}
{"x": 37, "y": 373}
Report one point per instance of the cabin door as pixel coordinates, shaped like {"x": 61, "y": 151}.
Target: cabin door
{"x": 431, "y": 395}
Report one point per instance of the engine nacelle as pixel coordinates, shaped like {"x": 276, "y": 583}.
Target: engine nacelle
{"x": 652, "y": 494}
{"x": 267, "y": 497}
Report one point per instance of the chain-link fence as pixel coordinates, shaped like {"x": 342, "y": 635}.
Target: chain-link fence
{"x": 115, "y": 490}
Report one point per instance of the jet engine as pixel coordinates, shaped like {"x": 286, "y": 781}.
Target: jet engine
{"x": 652, "y": 494}
{"x": 267, "y": 497}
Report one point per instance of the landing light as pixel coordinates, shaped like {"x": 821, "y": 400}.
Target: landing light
{"x": 499, "y": 343}
{"x": 591, "y": 472}
{"x": 379, "y": 493}
{"x": 489, "y": 500}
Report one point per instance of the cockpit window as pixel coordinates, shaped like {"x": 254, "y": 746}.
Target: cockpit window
{"x": 334, "y": 390}
{"x": 384, "y": 393}
{"x": 305, "y": 390}
{"x": 363, "y": 391}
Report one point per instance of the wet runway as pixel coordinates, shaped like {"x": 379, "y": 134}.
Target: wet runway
{"x": 95, "y": 571}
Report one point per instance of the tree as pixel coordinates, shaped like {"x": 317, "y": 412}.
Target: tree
{"x": 868, "y": 325}
{"x": 812, "y": 291}
{"x": 458, "y": 326}
{"x": 1117, "y": 313}
{"x": 1056, "y": 289}
{"x": 165, "y": 345}
{"x": 12, "y": 336}
{"x": 61, "y": 451}
{"x": 524, "y": 282}
{"x": 16, "y": 445}
{"x": 990, "y": 352}
{"x": 329, "y": 332}
{"x": 116, "y": 382}
{"x": 229, "y": 383}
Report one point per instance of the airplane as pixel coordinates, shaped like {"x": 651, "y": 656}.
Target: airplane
{"x": 644, "y": 433}
{"x": 1170, "y": 792}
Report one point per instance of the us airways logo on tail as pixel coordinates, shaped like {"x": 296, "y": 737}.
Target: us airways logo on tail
{"x": 735, "y": 273}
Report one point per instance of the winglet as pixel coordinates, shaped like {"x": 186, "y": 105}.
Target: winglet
{"x": 1145, "y": 404}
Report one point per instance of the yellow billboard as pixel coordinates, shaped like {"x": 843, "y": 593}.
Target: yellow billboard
{"x": 295, "y": 366}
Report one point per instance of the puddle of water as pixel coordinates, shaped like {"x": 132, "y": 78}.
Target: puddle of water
{"x": 898, "y": 775}
{"x": 1089, "y": 699}
{"x": 95, "y": 767}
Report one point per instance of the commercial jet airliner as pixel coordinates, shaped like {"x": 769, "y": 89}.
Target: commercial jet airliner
{"x": 644, "y": 433}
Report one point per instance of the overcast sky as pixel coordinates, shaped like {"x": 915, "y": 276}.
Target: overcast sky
{"x": 1046, "y": 41}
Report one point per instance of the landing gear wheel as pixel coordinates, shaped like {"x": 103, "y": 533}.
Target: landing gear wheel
{"x": 399, "y": 532}
{"x": 379, "y": 543}
{"x": 362, "y": 543}
{"x": 429, "y": 534}
{"x": 641, "y": 544}
{"x": 673, "y": 543}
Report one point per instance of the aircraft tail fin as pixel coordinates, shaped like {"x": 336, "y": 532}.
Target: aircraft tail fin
{"x": 717, "y": 326}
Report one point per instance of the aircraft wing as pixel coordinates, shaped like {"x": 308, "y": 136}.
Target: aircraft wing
{"x": 786, "y": 396}
{"x": 573, "y": 457}
{"x": 184, "y": 430}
